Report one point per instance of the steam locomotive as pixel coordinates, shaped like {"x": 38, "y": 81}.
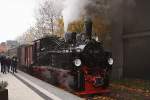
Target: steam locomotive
{"x": 77, "y": 63}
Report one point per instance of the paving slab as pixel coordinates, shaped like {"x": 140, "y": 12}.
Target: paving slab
{"x": 50, "y": 91}
{"x": 17, "y": 90}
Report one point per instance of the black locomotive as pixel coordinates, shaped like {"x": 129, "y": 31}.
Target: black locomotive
{"x": 77, "y": 63}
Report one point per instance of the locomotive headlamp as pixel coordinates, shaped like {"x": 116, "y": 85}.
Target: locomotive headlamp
{"x": 77, "y": 62}
{"x": 110, "y": 61}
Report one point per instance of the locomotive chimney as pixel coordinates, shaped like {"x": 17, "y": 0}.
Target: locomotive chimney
{"x": 88, "y": 27}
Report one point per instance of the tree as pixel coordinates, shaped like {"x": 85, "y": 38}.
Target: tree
{"x": 59, "y": 27}
{"x": 76, "y": 26}
{"x": 49, "y": 12}
{"x": 48, "y": 22}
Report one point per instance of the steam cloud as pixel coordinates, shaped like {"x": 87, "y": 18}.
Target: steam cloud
{"x": 73, "y": 9}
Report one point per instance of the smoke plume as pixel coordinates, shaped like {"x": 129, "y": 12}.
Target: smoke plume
{"x": 73, "y": 9}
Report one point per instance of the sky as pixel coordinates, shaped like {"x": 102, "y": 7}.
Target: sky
{"x": 16, "y": 16}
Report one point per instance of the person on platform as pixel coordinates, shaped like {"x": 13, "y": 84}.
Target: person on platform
{"x": 0, "y": 62}
{"x": 14, "y": 64}
{"x": 3, "y": 65}
{"x": 11, "y": 64}
{"x": 8, "y": 63}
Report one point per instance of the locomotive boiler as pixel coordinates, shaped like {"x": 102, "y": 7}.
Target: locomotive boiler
{"x": 76, "y": 62}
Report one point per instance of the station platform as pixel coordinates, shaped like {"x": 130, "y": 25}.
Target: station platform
{"x": 22, "y": 86}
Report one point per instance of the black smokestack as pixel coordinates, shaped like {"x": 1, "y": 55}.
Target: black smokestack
{"x": 88, "y": 27}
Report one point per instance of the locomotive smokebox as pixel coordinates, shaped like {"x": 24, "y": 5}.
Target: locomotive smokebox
{"x": 88, "y": 27}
